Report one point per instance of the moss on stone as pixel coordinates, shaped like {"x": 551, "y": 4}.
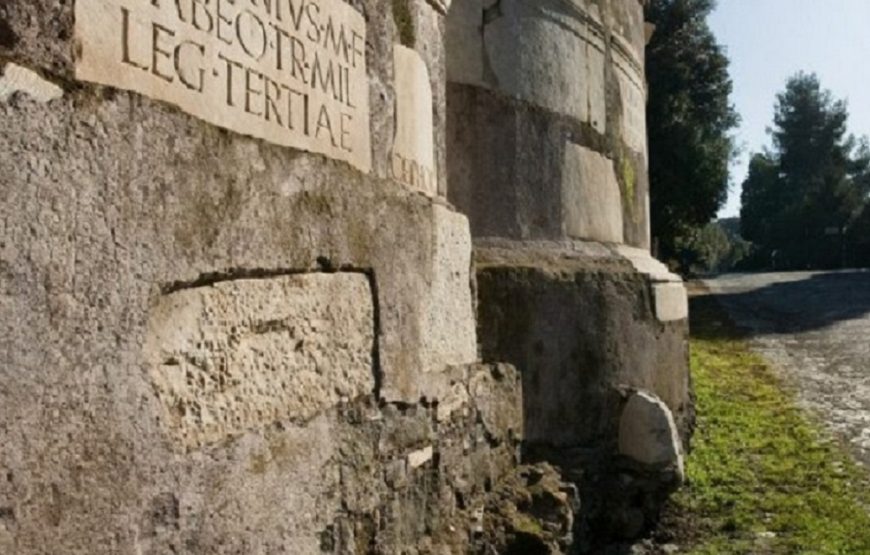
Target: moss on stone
{"x": 628, "y": 177}
{"x": 404, "y": 22}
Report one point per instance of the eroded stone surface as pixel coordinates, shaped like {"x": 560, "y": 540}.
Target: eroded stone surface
{"x": 17, "y": 79}
{"x": 265, "y": 70}
{"x": 449, "y": 333}
{"x": 579, "y": 325}
{"x": 593, "y": 204}
{"x": 413, "y": 156}
{"x": 243, "y": 354}
{"x": 552, "y": 54}
{"x": 633, "y": 97}
{"x": 109, "y": 199}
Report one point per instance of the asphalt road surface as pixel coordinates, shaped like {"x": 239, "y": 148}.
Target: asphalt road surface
{"x": 815, "y": 328}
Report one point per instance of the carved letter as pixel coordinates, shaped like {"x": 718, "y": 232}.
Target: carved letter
{"x": 271, "y": 105}
{"x": 251, "y": 92}
{"x": 229, "y": 66}
{"x": 179, "y": 67}
{"x": 158, "y": 53}
{"x": 344, "y": 122}
{"x": 125, "y": 37}
{"x": 253, "y": 47}
{"x": 323, "y": 122}
{"x": 313, "y": 13}
{"x": 224, "y": 23}
{"x": 200, "y": 10}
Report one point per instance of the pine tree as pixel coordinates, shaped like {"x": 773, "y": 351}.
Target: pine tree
{"x": 801, "y": 198}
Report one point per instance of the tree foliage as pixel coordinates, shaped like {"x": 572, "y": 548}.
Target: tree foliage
{"x": 690, "y": 119}
{"x": 803, "y": 198}
{"x": 714, "y": 248}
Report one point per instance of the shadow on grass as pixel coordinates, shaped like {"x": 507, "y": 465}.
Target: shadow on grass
{"x": 708, "y": 320}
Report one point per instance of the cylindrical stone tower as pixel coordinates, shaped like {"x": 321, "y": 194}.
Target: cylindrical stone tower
{"x": 547, "y": 155}
{"x": 547, "y": 119}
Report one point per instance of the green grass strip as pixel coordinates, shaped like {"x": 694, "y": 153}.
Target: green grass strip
{"x": 762, "y": 476}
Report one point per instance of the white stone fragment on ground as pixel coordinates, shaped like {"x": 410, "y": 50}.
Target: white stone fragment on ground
{"x": 648, "y": 434}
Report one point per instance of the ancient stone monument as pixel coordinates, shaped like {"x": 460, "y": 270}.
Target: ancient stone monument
{"x": 547, "y": 151}
{"x": 328, "y": 276}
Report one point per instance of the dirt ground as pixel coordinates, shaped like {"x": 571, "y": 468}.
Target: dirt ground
{"x": 814, "y": 327}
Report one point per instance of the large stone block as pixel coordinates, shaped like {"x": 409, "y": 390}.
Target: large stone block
{"x": 442, "y": 324}
{"x": 449, "y": 333}
{"x": 632, "y": 92}
{"x": 591, "y": 195}
{"x": 580, "y": 326}
{"x": 413, "y": 156}
{"x": 243, "y": 354}
{"x": 465, "y": 54}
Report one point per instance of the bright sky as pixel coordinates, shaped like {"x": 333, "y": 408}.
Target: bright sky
{"x": 770, "y": 40}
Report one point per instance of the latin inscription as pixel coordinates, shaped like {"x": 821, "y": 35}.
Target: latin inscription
{"x": 292, "y": 72}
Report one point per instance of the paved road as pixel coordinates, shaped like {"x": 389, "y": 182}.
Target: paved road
{"x": 815, "y": 328}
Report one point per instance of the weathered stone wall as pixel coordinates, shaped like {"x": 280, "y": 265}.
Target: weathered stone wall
{"x": 220, "y": 335}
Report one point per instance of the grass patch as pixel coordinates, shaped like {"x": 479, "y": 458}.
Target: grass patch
{"x": 762, "y": 476}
